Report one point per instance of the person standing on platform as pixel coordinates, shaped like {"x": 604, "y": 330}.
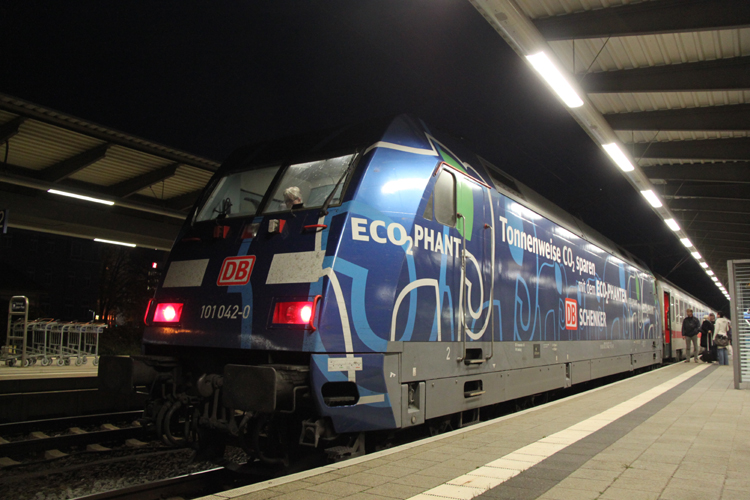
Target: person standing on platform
{"x": 721, "y": 338}
{"x": 690, "y": 328}
{"x": 707, "y": 332}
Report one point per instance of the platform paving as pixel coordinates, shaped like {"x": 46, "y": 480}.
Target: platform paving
{"x": 44, "y": 372}
{"x": 678, "y": 433}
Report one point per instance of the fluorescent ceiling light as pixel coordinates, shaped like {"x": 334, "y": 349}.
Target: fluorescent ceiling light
{"x": 132, "y": 245}
{"x": 704, "y": 265}
{"x": 715, "y": 279}
{"x": 686, "y": 242}
{"x": 709, "y": 272}
{"x": 555, "y": 79}
{"x": 613, "y": 150}
{"x": 672, "y": 224}
{"x": 80, "y": 197}
{"x": 696, "y": 255}
{"x": 652, "y": 198}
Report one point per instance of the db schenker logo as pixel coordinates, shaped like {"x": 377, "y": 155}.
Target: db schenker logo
{"x": 571, "y": 314}
{"x": 236, "y": 271}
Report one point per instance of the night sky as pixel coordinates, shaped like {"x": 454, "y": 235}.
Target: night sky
{"x": 208, "y": 77}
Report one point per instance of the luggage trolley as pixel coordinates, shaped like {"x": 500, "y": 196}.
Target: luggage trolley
{"x": 55, "y": 342}
{"x": 14, "y": 350}
{"x": 70, "y": 347}
{"x": 90, "y": 342}
{"x": 37, "y": 346}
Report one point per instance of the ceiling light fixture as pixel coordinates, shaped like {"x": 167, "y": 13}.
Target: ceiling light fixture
{"x": 614, "y": 152}
{"x": 703, "y": 265}
{"x": 652, "y": 198}
{"x": 672, "y": 224}
{"x": 686, "y": 242}
{"x": 132, "y": 245}
{"x": 555, "y": 79}
{"x": 81, "y": 197}
{"x": 696, "y": 255}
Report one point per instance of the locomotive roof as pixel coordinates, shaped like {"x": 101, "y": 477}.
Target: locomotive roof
{"x": 324, "y": 142}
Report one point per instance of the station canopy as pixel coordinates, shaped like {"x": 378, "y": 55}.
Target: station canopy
{"x": 151, "y": 186}
{"x": 669, "y": 80}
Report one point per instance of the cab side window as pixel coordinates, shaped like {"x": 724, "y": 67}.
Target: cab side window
{"x": 445, "y": 199}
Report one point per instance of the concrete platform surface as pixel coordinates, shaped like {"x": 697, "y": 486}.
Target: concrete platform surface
{"x": 678, "y": 433}
{"x": 41, "y": 372}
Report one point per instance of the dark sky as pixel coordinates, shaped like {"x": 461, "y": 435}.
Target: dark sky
{"x": 207, "y": 77}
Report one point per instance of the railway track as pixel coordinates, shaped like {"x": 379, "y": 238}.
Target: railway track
{"x": 23, "y": 439}
{"x": 187, "y": 486}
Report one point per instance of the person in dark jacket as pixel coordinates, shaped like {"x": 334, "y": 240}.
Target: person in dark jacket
{"x": 707, "y": 332}
{"x": 690, "y": 328}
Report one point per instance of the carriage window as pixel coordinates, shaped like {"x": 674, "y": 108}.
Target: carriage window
{"x": 309, "y": 184}
{"x": 238, "y": 194}
{"x": 445, "y": 199}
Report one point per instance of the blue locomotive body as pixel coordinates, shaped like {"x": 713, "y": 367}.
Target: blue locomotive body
{"x": 382, "y": 277}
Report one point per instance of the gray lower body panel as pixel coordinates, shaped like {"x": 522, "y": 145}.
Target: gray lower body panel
{"x": 445, "y": 384}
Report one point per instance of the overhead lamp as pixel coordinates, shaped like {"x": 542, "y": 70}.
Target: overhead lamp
{"x": 614, "y": 152}
{"x": 80, "y": 197}
{"x": 652, "y": 198}
{"x": 709, "y": 272}
{"x": 555, "y": 79}
{"x": 686, "y": 242}
{"x": 132, "y": 245}
{"x": 703, "y": 265}
{"x": 715, "y": 279}
{"x": 696, "y": 255}
{"x": 672, "y": 224}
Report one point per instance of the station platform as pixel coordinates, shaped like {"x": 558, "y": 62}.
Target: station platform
{"x": 37, "y": 372}
{"x": 680, "y": 432}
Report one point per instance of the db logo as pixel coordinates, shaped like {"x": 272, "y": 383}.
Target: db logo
{"x": 571, "y": 314}
{"x": 236, "y": 271}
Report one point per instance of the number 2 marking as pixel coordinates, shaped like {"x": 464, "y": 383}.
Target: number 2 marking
{"x": 448, "y": 356}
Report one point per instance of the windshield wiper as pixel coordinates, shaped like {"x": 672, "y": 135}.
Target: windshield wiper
{"x": 324, "y": 208}
{"x": 226, "y": 208}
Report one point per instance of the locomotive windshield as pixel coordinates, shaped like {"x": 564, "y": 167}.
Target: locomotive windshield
{"x": 238, "y": 194}
{"x": 305, "y": 185}
{"x": 310, "y": 184}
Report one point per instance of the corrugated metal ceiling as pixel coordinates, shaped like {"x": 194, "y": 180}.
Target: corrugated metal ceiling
{"x": 46, "y": 139}
{"x": 672, "y": 79}
{"x": 151, "y": 185}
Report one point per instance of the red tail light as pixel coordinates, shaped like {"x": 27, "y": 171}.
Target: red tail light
{"x": 168, "y": 313}
{"x": 293, "y": 313}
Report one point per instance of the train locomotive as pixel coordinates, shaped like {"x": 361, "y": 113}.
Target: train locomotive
{"x": 371, "y": 279}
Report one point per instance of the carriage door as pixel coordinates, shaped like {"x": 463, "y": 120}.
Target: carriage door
{"x": 667, "y": 328}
